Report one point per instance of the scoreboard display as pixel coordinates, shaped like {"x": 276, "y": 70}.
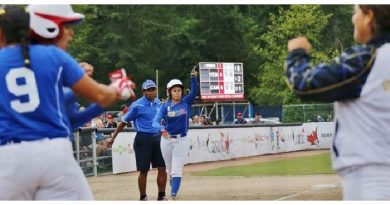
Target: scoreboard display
{"x": 221, "y": 81}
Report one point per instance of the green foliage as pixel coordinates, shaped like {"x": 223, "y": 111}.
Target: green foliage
{"x": 307, "y": 113}
{"x": 173, "y": 38}
{"x": 298, "y": 20}
{"x": 317, "y": 164}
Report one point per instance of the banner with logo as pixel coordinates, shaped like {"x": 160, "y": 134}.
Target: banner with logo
{"x": 214, "y": 144}
{"x": 123, "y": 156}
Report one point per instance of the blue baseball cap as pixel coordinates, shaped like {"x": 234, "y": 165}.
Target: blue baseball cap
{"x": 148, "y": 84}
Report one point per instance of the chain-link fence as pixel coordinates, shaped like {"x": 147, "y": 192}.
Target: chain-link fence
{"x": 308, "y": 113}
{"x": 92, "y": 151}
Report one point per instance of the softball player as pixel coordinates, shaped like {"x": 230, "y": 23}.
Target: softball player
{"x": 359, "y": 82}
{"x": 175, "y": 114}
{"x": 43, "y": 17}
{"x": 35, "y": 151}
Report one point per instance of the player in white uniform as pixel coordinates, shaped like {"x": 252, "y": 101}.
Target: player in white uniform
{"x": 359, "y": 82}
{"x": 175, "y": 114}
{"x": 35, "y": 151}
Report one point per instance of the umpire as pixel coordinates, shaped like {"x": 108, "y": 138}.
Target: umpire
{"x": 147, "y": 140}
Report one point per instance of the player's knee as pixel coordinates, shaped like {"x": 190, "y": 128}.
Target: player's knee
{"x": 143, "y": 172}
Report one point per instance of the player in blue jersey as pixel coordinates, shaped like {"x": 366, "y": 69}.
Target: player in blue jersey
{"x": 35, "y": 151}
{"x": 359, "y": 82}
{"x": 52, "y": 24}
{"x": 175, "y": 144}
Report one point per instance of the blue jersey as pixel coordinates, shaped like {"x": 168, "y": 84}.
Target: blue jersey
{"x": 32, "y": 101}
{"x": 176, "y": 116}
{"x": 142, "y": 113}
{"x": 79, "y": 118}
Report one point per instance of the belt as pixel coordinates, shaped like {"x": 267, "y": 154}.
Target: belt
{"x": 150, "y": 134}
{"x": 17, "y": 141}
{"x": 10, "y": 141}
{"x": 178, "y": 136}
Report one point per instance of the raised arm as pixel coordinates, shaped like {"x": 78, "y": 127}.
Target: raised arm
{"x": 194, "y": 86}
{"x": 339, "y": 80}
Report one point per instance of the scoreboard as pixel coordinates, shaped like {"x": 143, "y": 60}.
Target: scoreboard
{"x": 221, "y": 81}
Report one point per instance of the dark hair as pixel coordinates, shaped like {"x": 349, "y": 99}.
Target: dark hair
{"x": 169, "y": 90}
{"x": 15, "y": 25}
{"x": 381, "y": 17}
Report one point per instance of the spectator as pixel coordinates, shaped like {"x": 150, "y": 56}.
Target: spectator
{"x": 208, "y": 121}
{"x": 102, "y": 141}
{"x": 110, "y": 122}
{"x": 195, "y": 121}
{"x": 202, "y": 120}
{"x": 122, "y": 113}
{"x": 319, "y": 118}
{"x": 240, "y": 120}
{"x": 115, "y": 119}
{"x": 257, "y": 119}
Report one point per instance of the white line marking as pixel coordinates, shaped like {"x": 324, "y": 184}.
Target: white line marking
{"x": 313, "y": 188}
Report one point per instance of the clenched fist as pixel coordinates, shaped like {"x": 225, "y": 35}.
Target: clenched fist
{"x": 299, "y": 42}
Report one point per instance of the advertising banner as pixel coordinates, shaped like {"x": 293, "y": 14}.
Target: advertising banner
{"x": 214, "y": 144}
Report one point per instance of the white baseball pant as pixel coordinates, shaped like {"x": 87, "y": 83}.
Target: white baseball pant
{"x": 175, "y": 152}
{"x": 41, "y": 170}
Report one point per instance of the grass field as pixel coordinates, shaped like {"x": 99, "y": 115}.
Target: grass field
{"x": 317, "y": 164}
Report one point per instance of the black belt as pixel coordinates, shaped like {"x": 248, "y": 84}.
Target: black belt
{"x": 17, "y": 141}
{"x": 149, "y": 134}
{"x": 178, "y": 136}
{"x": 10, "y": 141}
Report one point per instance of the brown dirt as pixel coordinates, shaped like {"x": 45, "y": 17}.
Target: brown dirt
{"x": 308, "y": 187}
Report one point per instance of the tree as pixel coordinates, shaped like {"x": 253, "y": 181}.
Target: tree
{"x": 298, "y": 20}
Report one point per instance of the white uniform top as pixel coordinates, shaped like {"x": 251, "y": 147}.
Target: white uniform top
{"x": 363, "y": 124}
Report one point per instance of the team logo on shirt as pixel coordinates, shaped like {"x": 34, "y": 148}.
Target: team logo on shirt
{"x": 177, "y": 113}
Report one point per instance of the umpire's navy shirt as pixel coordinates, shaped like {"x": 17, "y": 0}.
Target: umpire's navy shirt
{"x": 142, "y": 113}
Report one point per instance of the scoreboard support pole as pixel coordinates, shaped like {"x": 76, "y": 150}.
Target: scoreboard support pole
{"x": 216, "y": 112}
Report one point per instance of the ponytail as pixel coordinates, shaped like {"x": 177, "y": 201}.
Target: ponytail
{"x": 15, "y": 26}
{"x": 24, "y": 42}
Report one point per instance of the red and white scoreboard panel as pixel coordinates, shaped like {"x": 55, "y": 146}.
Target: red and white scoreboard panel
{"x": 221, "y": 81}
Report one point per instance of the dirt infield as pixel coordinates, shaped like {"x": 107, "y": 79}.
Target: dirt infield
{"x": 309, "y": 187}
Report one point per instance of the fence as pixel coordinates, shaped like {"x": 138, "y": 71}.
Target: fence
{"x": 208, "y": 143}
{"x": 94, "y": 158}
{"x": 308, "y": 113}
{"x": 225, "y": 112}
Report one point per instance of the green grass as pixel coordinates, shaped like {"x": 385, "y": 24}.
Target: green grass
{"x": 317, "y": 164}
